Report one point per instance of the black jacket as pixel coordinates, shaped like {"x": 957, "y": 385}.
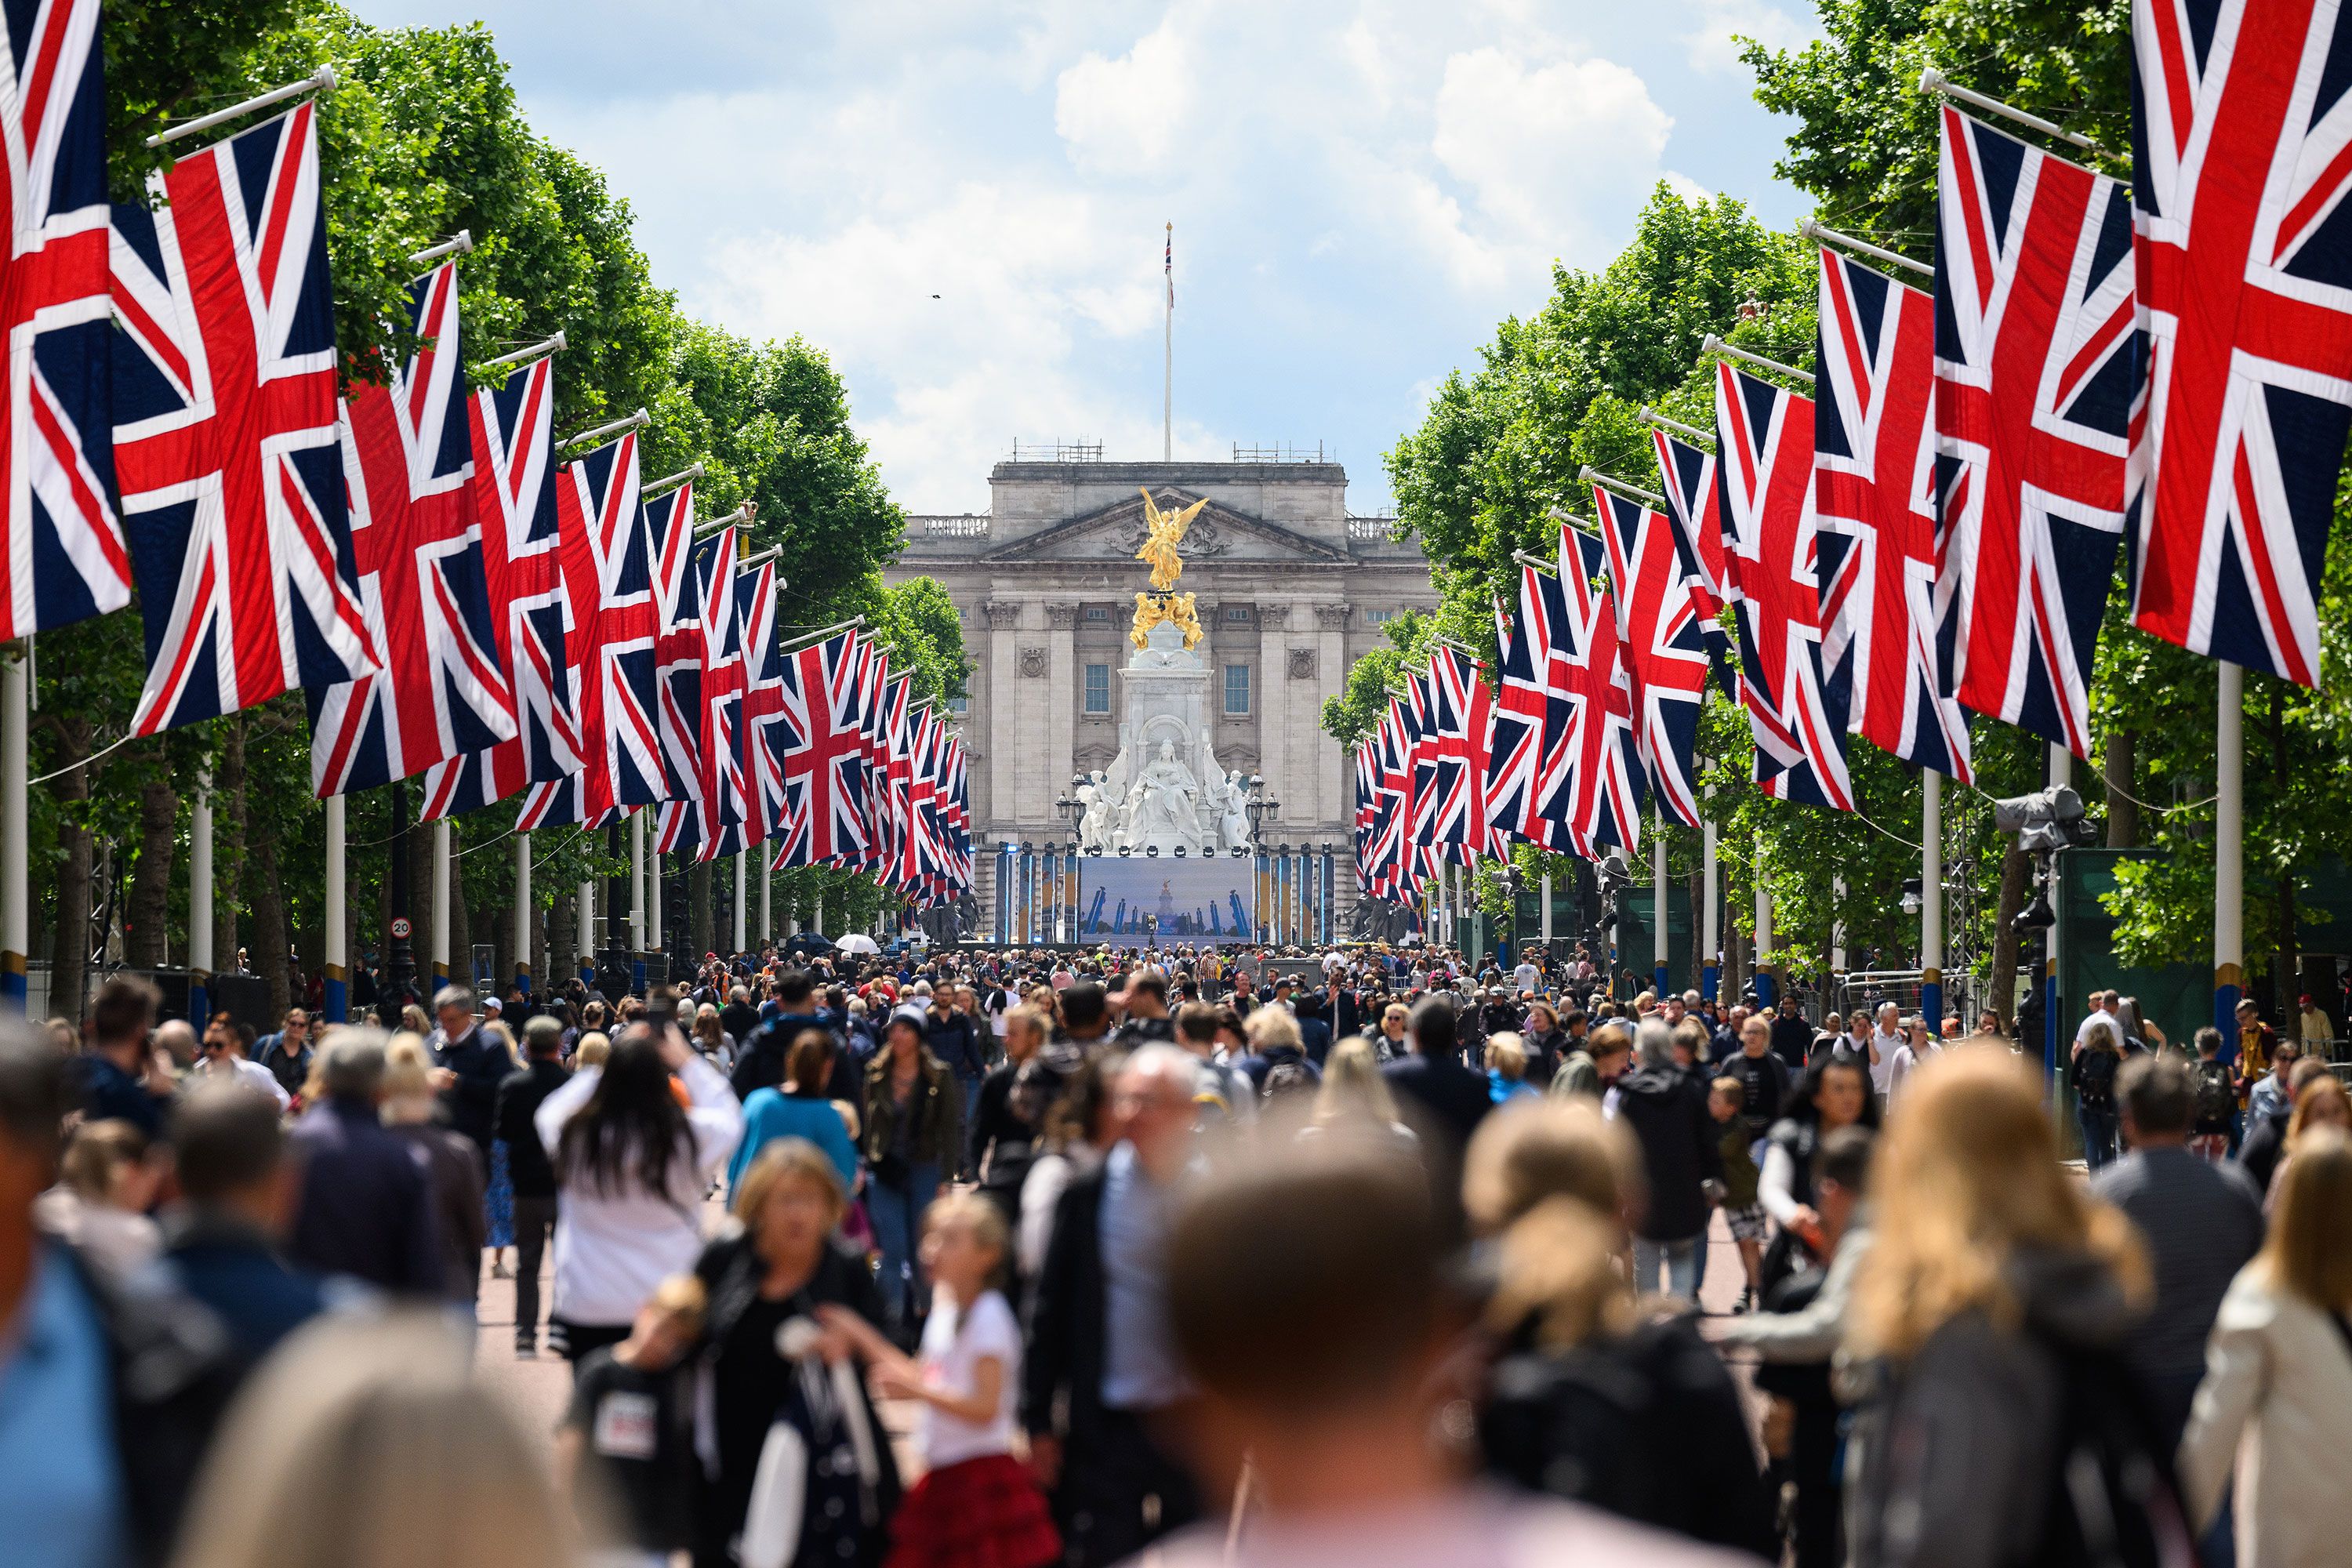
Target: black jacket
{"x": 759, "y": 1063}
{"x": 938, "y": 1109}
{"x": 173, "y": 1374}
{"x": 1647, "y": 1425}
{"x": 518, "y": 1101}
{"x": 482, "y": 1064}
{"x": 1681, "y": 1147}
{"x": 366, "y": 1204}
{"x": 1453, "y": 1096}
{"x": 1061, "y": 1364}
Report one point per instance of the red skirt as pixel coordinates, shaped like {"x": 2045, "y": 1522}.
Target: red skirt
{"x": 983, "y": 1513}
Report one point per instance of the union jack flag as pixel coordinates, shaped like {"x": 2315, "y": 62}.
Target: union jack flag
{"x": 1458, "y": 723}
{"x": 2245, "y": 299}
{"x": 66, "y": 561}
{"x": 762, "y": 722}
{"x": 824, "y": 756}
{"x": 1874, "y": 494}
{"x": 608, "y": 587}
{"x": 1396, "y": 861}
{"x": 226, "y": 445}
{"x": 1421, "y": 740}
{"x": 1686, "y": 476}
{"x": 873, "y": 674}
{"x": 1764, "y": 438}
{"x": 1665, "y": 659}
{"x": 1530, "y": 714}
{"x": 1592, "y": 790}
{"x": 2033, "y": 395}
{"x": 900, "y": 779}
{"x": 678, "y": 645}
{"x": 1367, "y": 789}
{"x": 922, "y": 796}
{"x": 722, "y": 788}
{"x": 514, "y": 497}
{"x": 408, "y": 466}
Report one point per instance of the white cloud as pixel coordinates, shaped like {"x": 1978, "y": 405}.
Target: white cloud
{"x": 1123, "y": 116}
{"x": 1713, "y": 47}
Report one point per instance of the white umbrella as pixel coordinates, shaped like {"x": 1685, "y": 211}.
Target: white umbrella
{"x": 856, "y": 941}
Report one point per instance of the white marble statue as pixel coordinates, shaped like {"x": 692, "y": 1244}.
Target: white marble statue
{"x": 1098, "y": 817}
{"x": 1232, "y": 822}
{"x": 1165, "y": 803}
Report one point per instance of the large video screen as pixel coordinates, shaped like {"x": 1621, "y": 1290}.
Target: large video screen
{"x": 1192, "y": 899}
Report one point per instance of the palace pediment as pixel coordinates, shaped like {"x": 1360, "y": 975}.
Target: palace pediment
{"x": 1217, "y": 535}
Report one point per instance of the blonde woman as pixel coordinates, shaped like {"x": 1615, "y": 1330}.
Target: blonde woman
{"x": 1990, "y": 1274}
{"x": 1354, "y": 1095}
{"x": 2322, "y": 1102}
{"x": 2275, "y": 1411}
{"x": 450, "y": 1161}
{"x": 367, "y": 1440}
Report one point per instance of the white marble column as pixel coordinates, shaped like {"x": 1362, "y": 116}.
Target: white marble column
{"x": 1268, "y": 710}
{"x": 1003, "y": 619}
{"x": 1334, "y": 772}
{"x": 1061, "y": 731}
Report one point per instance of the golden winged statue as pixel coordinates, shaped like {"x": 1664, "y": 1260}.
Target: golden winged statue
{"x": 1166, "y": 531}
{"x": 1176, "y": 608}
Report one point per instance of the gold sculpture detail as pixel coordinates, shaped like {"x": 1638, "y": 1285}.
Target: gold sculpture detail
{"x": 1164, "y": 531}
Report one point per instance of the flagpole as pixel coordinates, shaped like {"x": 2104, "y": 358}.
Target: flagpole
{"x": 742, "y": 868}
{"x": 1168, "y": 358}
{"x": 16, "y": 903}
{"x": 522, "y": 914}
{"x": 1931, "y": 901}
{"x": 654, "y": 891}
{"x": 440, "y": 956}
{"x": 1659, "y": 977}
{"x": 338, "y": 932}
{"x": 1767, "y": 982}
{"x": 637, "y": 899}
{"x": 1711, "y": 941}
{"x": 200, "y": 899}
{"x": 767, "y": 903}
{"x": 2229, "y": 852}
{"x": 584, "y": 949}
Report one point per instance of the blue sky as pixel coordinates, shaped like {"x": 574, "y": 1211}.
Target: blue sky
{"x": 1360, "y": 191}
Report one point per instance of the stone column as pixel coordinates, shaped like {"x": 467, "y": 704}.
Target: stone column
{"x": 1004, "y": 617}
{"x": 1031, "y": 802}
{"x": 1061, "y": 730}
{"x": 1268, "y": 698}
{"x": 1334, "y": 776}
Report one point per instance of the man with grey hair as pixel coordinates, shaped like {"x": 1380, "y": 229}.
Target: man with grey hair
{"x": 1681, "y": 1152}
{"x": 366, "y": 1203}
{"x": 472, "y": 1065}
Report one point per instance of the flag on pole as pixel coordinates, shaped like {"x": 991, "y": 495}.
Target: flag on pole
{"x": 1694, "y": 510}
{"x": 1529, "y": 713}
{"x": 1665, "y": 658}
{"x": 1460, "y": 720}
{"x": 1764, "y": 471}
{"x": 2243, "y": 137}
{"x": 408, "y": 468}
{"x": 226, "y": 438}
{"x": 760, "y": 716}
{"x": 1593, "y": 792}
{"x": 824, "y": 756}
{"x": 722, "y": 787}
{"x": 66, "y": 559}
{"x": 2033, "y": 394}
{"x": 1874, "y": 494}
{"x": 514, "y": 499}
{"x": 678, "y": 644}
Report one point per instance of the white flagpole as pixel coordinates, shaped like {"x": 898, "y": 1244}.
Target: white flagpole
{"x": 653, "y": 904}
{"x": 1168, "y": 359}
{"x": 1659, "y": 978}
{"x": 522, "y": 914}
{"x": 767, "y": 903}
{"x": 637, "y": 882}
{"x": 585, "y": 954}
{"x": 1710, "y": 944}
{"x": 200, "y": 899}
{"x": 336, "y": 936}
{"x": 1931, "y": 900}
{"x": 440, "y": 904}
{"x": 1545, "y": 918}
{"x": 742, "y": 865}
{"x": 1767, "y": 982}
{"x": 16, "y": 903}
{"x": 2229, "y": 852}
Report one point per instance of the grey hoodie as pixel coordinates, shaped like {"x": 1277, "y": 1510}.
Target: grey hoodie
{"x": 1950, "y": 1461}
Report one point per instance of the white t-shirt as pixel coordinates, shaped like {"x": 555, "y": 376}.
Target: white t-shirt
{"x": 2100, "y": 1019}
{"x": 1881, "y": 1071}
{"x": 1528, "y": 977}
{"x": 954, "y": 1342}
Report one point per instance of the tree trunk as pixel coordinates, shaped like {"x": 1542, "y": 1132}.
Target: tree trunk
{"x": 266, "y": 898}
{"x": 698, "y": 900}
{"x": 2123, "y": 813}
{"x": 2016, "y": 873}
{"x": 69, "y": 933}
{"x": 150, "y": 916}
{"x": 228, "y": 846}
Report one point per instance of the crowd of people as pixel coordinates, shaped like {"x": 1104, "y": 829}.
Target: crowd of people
{"x": 999, "y": 1259}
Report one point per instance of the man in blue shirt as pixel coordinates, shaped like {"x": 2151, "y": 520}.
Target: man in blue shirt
{"x": 238, "y": 1192}
{"x": 121, "y": 1079}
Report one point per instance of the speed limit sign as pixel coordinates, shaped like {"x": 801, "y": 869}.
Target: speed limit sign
{"x": 400, "y": 926}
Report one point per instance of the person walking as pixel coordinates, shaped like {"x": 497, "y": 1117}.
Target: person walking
{"x": 631, "y": 1165}
{"x": 1666, "y": 1110}
{"x": 2272, "y": 1418}
{"x": 532, "y": 1173}
{"x": 450, "y": 1160}
{"x": 364, "y": 1206}
{"x": 1835, "y": 1092}
{"x": 909, "y": 1135}
{"x": 797, "y": 1107}
{"x": 1995, "y": 1294}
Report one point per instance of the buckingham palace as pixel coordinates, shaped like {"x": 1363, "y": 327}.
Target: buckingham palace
{"x": 1286, "y": 587}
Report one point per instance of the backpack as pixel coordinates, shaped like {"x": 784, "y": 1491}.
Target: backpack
{"x": 2095, "y": 1079}
{"x": 2217, "y": 1100}
{"x": 2112, "y": 1500}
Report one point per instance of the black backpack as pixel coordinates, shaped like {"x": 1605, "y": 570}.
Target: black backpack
{"x": 2112, "y": 1500}
{"x": 2217, "y": 1097}
{"x": 2095, "y": 1077}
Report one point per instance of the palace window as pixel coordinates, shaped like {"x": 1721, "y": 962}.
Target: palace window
{"x": 1098, "y": 688}
{"x": 1378, "y": 617}
{"x": 960, "y": 705}
{"x": 1237, "y": 615}
{"x": 1096, "y": 613}
{"x": 1237, "y": 692}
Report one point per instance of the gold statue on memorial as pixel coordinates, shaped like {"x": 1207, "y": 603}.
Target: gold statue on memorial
{"x": 1166, "y": 531}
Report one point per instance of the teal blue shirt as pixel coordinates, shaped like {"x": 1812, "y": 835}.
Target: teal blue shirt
{"x": 61, "y": 1498}
{"x": 770, "y": 1114}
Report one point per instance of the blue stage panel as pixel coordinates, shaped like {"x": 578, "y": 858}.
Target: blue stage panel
{"x": 1193, "y": 899}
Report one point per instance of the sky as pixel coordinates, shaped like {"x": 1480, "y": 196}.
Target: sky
{"x": 963, "y": 201}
